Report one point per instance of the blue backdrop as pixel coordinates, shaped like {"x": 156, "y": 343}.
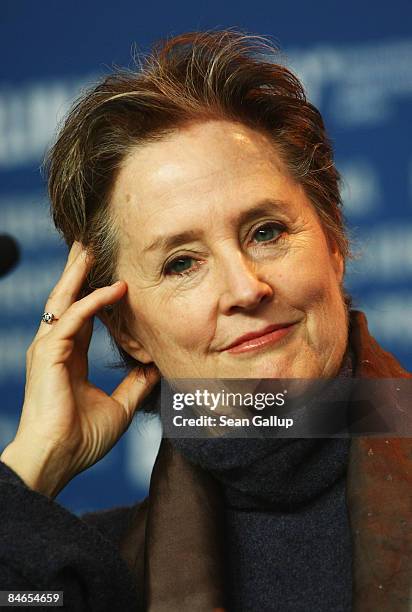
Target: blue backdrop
{"x": 356, "y": 62}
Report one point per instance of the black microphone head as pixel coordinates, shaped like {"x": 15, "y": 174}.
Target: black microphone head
{"x": 9, "y": 253}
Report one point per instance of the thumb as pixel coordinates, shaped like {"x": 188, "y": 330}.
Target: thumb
{"x": 135, "y": 387}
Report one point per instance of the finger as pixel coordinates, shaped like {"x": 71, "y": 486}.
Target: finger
{"x": 134, "y": 388}
{"x": 75, "y": 317}
{"x": 80, "y": 365}
{"x": 73, "y": 253}
{"x": 67, "y": 289}
{"x": 70, "y": 282}
{"x": 83, "y": 338}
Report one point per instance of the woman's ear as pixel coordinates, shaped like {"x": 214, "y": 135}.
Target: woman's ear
{"x": 131, "y": 345}
{"x": 338, "y": 261}
{"x": 134, "y": 348}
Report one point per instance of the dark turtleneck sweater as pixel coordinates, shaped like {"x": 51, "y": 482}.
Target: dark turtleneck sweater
{"x": 287, "y": 534}
{"x": 288, "y": 543}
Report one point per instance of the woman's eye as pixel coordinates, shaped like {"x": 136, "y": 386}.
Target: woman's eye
{"x": 181, "y": 265}
{"x": 267, "y": 232}
{"x": 185, "y": 265}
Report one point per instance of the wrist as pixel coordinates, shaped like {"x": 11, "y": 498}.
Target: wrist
{"x": 41, "y": 471}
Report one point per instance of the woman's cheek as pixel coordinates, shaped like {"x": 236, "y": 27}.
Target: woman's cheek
{"x": 196, "y": 324}
{"x": 300, "y": 286}
{"x": 173, "y": 317}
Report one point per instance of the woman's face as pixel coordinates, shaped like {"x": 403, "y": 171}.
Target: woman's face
{"x": 217, "y": 241}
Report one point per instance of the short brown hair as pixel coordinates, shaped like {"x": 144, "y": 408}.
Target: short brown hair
{"x": 195, "y": 76}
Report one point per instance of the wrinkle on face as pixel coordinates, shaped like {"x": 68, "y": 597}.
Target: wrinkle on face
{"x": 203, "y": 177}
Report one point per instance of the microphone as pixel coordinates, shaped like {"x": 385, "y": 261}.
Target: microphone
{"x": 9, "y": 253}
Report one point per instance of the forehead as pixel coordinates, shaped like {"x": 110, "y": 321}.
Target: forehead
{"x": 201, "y": 169}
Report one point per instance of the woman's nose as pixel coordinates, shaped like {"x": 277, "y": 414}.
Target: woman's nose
{"x": 242, "y": 285}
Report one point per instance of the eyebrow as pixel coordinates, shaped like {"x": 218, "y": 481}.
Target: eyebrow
{"x": 165, "y": 242}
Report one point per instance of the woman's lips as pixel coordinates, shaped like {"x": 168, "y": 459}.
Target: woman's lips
{"x": 265, "y": 339}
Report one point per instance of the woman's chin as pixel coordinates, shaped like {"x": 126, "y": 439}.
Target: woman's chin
{"x": 264, "y": 369}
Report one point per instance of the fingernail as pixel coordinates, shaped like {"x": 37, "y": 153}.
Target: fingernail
{"x": 119, "y": 282}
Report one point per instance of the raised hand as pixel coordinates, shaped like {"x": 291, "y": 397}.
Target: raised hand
{"x": 67, "y": 423}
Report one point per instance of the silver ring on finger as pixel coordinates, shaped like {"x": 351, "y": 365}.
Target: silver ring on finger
{"x": 48, "y": 317}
